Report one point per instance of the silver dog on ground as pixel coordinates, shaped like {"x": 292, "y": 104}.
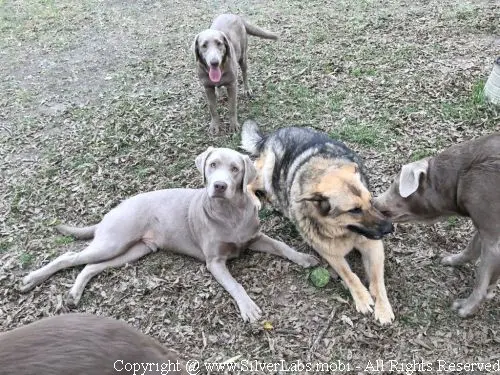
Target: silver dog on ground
{"x": 212, "y": 224}
{"x": 219, "y": 50}
{"x": 462, "y": 180}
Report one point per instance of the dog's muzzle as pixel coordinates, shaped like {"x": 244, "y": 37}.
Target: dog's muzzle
{"x": 377, "y": 233}
{"x": 219, "y": 189}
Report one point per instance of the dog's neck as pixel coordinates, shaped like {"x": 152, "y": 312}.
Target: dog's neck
{"x": 222, "y": 208}
{"x": 443, "y": 187}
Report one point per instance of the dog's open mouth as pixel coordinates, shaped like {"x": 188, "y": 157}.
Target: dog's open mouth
{"x": 368, "y": 233}
{"x": 214, "y": 74}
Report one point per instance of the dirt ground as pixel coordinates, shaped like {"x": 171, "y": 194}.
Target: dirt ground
{"x": 99, "y": 101}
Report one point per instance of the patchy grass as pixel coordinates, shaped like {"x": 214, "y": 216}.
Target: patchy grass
{"x": 471, "y": 107}
{"x": 421, "y": 154}
{"x": 4, "y": 246}
{"x": 358, "y": 72}
{"x": 452, "y": 222}
{"x": 478, "y": 92}
{"x": 63, "y": 240}
{"x": 362, "y": 134}
{"x": 265, "y": 213}
{"x": 25, "y": 259}
{"x": 336, "y": 101}
{"x": 466, "y": 12}
{"x": 99, "y": 101}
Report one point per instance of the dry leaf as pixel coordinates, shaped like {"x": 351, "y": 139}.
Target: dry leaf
{"x": 268, "y": 326}
{"x": 347, "y": 320}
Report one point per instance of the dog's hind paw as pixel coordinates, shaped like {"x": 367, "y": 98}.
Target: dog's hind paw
{"x": 384, "y": 313}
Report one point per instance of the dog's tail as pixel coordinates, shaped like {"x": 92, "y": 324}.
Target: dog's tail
{"x": 84, "y": 233}
{"x": 257, "y": 31}
{"x": 252, "y": 139}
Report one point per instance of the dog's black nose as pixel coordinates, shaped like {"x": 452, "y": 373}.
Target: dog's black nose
{"x": 214, "y": 63}
{"x": 220, "y": 187}
{"x": 387, "y": 227}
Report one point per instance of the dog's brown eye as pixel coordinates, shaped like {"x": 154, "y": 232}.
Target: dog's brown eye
{"x": 218, "y": 42}
{"x": 324, "y": 207}
{"x": 234, "y": 170}
{"x": 204, "y": 45}
{"x": 356, "y": 210}
{"x": 213, "y": 165}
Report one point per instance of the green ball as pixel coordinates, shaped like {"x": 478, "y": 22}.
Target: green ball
{"x": 320, "y": 277}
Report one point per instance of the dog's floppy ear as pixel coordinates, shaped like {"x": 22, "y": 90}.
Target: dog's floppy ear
{"x": 201, "y": 160}
{"x": 226, "y": 45}
{"x": 409, "y": 178}
{"x": 196, "y": 48}
{"x": 249, "y": 173}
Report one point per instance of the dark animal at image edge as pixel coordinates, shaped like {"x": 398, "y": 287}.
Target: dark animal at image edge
{"x": 218, "y": 51}
{"x": 83, "y": 344}
{"x": 221, "y": 220}
{"x": 320, "y": 185}
{"x": 462, "y": 180}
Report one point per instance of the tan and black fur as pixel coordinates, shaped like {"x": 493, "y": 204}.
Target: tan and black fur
{"x": 320, "y": 185}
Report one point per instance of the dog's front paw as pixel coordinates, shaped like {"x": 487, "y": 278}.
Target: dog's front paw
{"x": 72, "y": 300}
{"x": 491, "y": 291}
{"x": 364, "y": 302}
{"x": 306, "y": 260}
{"x": 214, "y": 127}
{"x": 249, "y": 310}
{"x": 234, "y": 125}
{"x": 256, "y": 201}
{"x": 248, "y": 92}
{"x": 464, "y": 308}
{"x": 452, "y": 260}
{"x": 258, "y": 205}
{"x": 384, "y": 313}
{"x": 28, "y": 283}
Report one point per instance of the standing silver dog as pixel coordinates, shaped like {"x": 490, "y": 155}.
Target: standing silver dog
{"x": 212, "y": 224}
{"x": 462, "y": 180}
{"x": 219, "y": 50}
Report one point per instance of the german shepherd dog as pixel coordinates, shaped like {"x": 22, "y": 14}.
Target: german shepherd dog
{"x": 320, "y": 185}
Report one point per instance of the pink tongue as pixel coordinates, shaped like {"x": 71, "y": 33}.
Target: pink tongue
{"x": 214, "y": 74}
